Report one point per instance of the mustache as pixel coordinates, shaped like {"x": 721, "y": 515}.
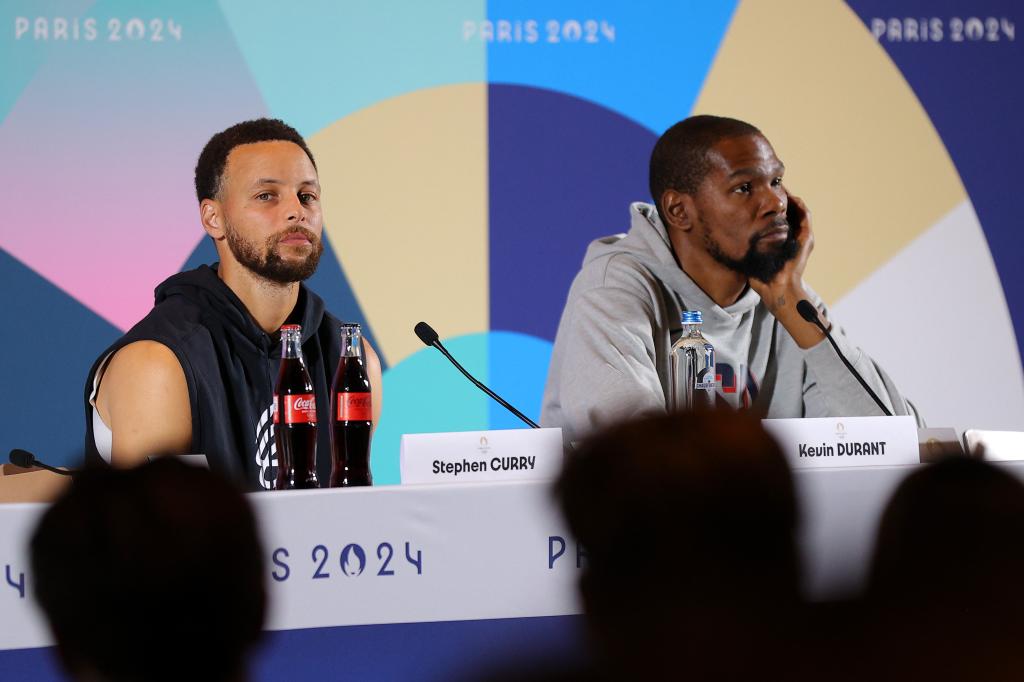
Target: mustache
{"x": 308, "y": 234}
{"x": 777, "y": 223}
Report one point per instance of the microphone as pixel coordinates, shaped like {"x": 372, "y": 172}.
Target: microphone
{"x": 809, "y": 313}
{"x": 429, "y": 337}
{"x": 26, "y": 460}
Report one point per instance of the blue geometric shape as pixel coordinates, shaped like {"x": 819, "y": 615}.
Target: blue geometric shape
{"x": 40, "y": 664}
{"x": 424, "y": 652}
{"x": 50, "y": 343}
{"x": 563, "y": 172}
{"x": 647, "y": 61}
{"x": 518, "y": 371}
{"x": 971, "y": 90}
{"x": 205, "y": 253}
{"x": 330, "y": 283}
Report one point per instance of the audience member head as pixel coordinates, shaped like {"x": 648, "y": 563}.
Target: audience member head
{"x": 688, "y": 522}
{"x": 152, "y": 573}
{"x": 951, "y": 531}
{"x": 946, "y": 571}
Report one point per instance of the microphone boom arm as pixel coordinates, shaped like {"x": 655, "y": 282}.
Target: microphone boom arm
{"x": 495, "y": 396}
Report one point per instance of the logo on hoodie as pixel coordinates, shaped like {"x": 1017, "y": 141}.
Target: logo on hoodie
{"x": 266, "y": 449}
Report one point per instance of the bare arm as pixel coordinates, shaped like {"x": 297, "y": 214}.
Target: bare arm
{"x": 373, "y": 373}
{"x": 143, "y": 399}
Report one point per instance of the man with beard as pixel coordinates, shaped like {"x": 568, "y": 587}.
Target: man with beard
{"x": 197, "y": 374}
{"x": 727, "y": 239}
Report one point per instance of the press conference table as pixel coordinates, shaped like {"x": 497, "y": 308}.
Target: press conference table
{"x": 421, "y": 582}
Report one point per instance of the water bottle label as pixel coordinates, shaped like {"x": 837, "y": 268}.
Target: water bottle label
{"x": 706, "y": 379}
{"x": 354, "y": 407}
{"x": 298, "y": 409}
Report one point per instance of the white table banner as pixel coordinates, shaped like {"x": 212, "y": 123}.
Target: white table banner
{"x": 363, "y": 556}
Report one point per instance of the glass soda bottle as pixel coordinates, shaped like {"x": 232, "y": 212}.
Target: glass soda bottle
{"x": 351, "y": 414}
{"x": 693, "y": 366}
{"x": 295, "y": 423}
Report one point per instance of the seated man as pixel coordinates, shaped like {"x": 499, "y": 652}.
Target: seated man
{"x": 197, "y": 373}
{"x": 727, "y": 239}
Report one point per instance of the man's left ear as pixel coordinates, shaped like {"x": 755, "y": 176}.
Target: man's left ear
{"x": 678, "y": 210}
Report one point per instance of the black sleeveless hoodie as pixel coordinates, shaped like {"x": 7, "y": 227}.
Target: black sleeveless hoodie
{"x": 231, "y": 366}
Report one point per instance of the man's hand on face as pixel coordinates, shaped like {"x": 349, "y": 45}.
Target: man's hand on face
{"x": 783, "y": 289}
{"x": 786, "y": 289}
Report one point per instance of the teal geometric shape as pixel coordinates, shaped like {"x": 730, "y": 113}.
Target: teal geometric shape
{"x": 646, "y": 61}
{"x": 22, "y": 52}
{"x": 518, "y": 371}
{"x": 424, "y": 394}
{"x": 317, "y": 61}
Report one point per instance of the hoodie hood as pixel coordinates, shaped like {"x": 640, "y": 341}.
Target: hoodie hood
{"x": 648, "y": 242}
{"x": 204, "y": 288}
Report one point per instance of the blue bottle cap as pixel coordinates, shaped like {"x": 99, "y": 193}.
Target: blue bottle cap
{"x": 692, "y": 317}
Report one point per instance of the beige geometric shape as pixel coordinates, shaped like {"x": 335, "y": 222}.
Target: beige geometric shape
{"x": 405, "y": 203}
{"x": 857, "y": 144}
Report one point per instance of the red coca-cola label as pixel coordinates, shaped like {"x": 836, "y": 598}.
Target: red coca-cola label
{"x": 299, "y": 408}
{"x": 354, "y": 407}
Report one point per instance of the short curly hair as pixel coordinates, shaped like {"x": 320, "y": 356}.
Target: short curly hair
{"x": 680, "y": 157}
{"x": 210, "y": 167}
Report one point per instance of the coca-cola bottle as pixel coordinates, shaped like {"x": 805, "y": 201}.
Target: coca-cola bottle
{"x": 351, "y": 414}
{"x": 294, "y": 416}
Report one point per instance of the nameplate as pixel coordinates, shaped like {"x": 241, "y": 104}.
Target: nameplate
{"x": 512, "y": 455}
{"x": 995, "y": 445}
{"x": 846, "y": 441}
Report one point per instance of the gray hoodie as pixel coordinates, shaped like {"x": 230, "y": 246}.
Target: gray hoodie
{"x": 611, "y": 355}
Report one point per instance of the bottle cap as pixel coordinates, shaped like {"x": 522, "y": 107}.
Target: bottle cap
{"x": 291, "y": 327}
{"x": 692, "y": 317}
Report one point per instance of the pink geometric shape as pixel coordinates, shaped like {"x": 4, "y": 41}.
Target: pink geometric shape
{"x": 97, "y": 160}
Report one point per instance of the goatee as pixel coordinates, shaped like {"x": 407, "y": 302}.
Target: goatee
{"x": 756, "y": 264}
{"x": 269, "y": 265}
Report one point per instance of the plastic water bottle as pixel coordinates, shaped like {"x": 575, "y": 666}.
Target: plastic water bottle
{"x": 693, "y": 366}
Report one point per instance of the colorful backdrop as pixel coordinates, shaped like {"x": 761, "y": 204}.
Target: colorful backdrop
{"x": 470, "y": 150}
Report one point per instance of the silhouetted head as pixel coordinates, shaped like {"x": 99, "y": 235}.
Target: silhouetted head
{"x": 688, "y": 522}
{"x": 946, "y": 575}
{"x": 153, "y": 573}
{"x": 951, "y": 528}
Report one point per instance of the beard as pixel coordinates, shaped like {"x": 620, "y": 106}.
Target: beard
{"x": 756, "y": 264}
{"x": 268, "y": 264}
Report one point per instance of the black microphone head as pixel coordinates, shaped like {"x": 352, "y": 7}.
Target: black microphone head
{"x": 426, "y": 333}
{"x": 807, "y": 311}
{"x": 22, "y": 458}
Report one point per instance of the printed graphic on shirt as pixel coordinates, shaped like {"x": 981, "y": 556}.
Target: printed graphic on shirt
{"x": 738, "y": 388}
{"x": 266, "y": 448}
